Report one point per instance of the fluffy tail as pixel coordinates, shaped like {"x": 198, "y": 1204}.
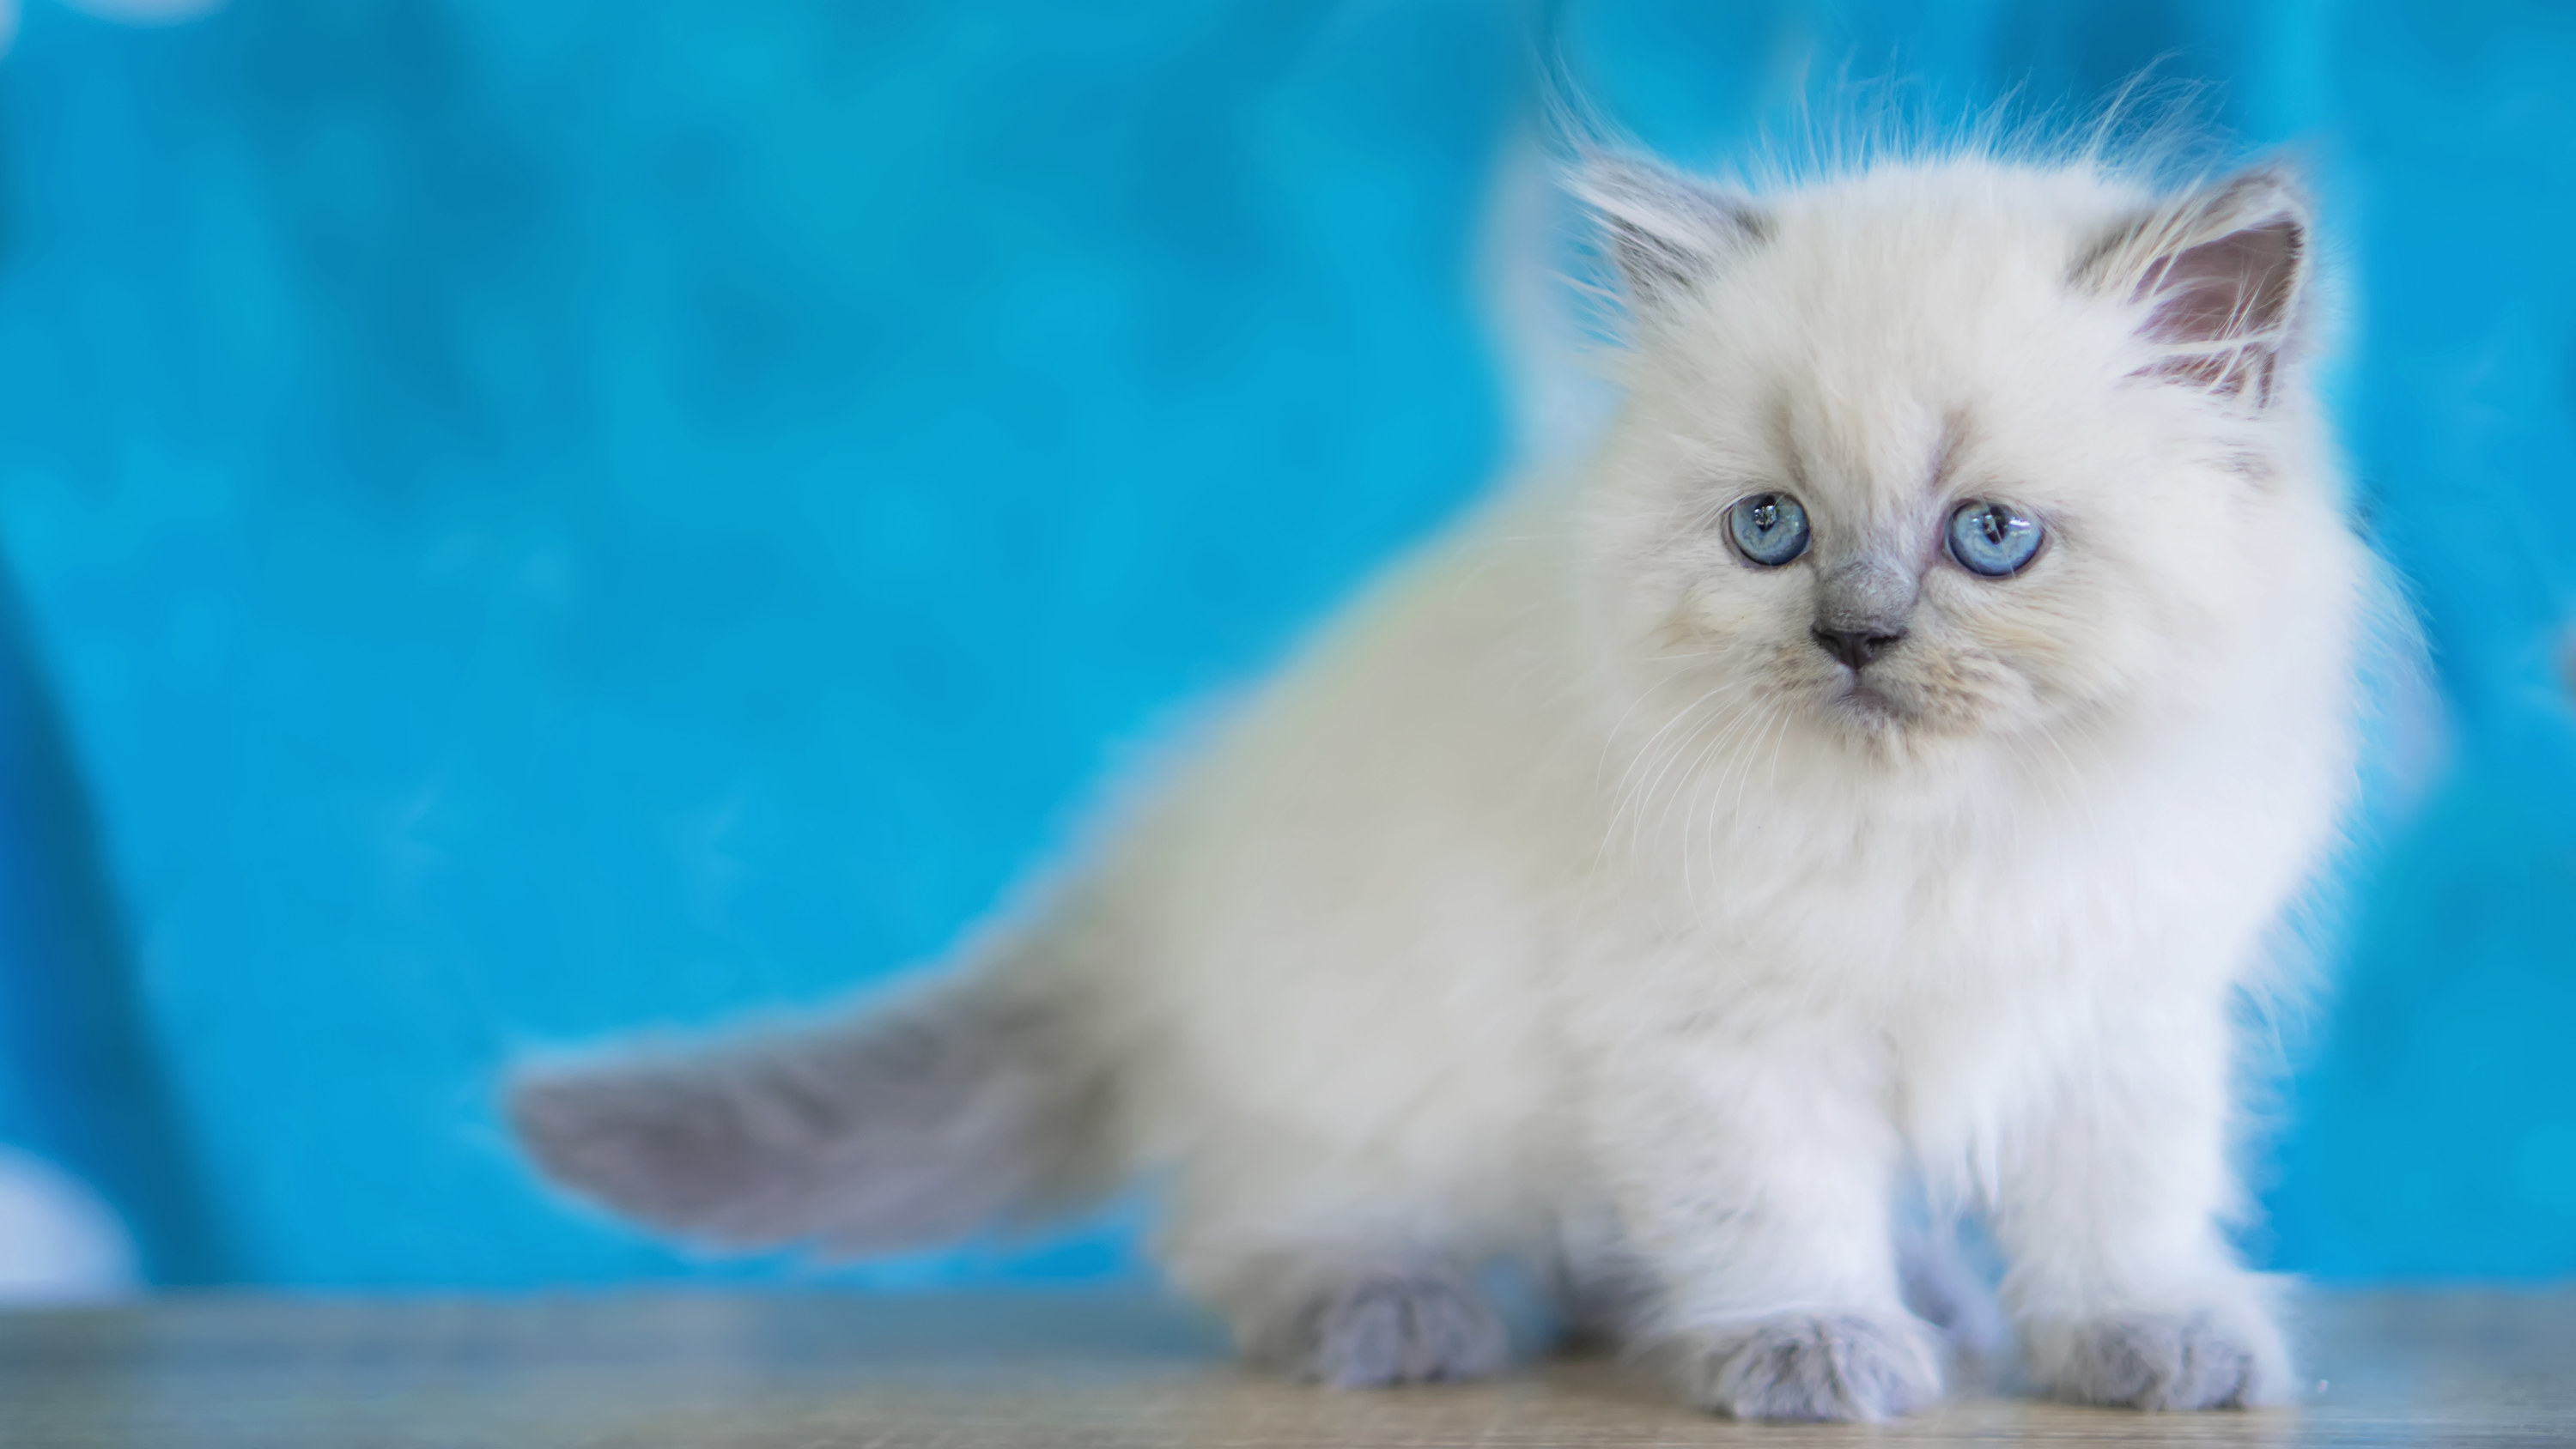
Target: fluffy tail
{"x": 974, "y": 1102}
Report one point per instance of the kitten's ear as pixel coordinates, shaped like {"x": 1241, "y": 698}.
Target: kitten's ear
{"x": 2222, "y": 275}
{"x": 1667, "y": 231}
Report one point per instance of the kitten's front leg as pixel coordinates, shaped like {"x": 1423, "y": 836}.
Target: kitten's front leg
{"x": 2124, "y": 1288}
{"x": 1752, "y": 1183}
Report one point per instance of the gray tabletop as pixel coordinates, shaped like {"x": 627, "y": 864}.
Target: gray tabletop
{"x": 1072, "y": 1369}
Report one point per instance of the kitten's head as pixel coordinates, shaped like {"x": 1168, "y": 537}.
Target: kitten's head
{"x": 1959, "y": 450}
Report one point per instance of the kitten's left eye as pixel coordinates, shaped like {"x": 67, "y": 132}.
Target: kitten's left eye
{"x": 1769, "y": 528}
{"x": 1993, "y": 539}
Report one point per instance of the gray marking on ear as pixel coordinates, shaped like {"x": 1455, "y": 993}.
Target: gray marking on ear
{"x": 1667, "y": 231}
{"x": 2221, "y": 272}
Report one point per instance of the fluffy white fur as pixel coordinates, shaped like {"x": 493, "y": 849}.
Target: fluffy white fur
{"x": 1566, "y": 903}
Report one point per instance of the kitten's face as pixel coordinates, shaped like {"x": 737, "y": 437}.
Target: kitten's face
{"x": 1896, "y": 469}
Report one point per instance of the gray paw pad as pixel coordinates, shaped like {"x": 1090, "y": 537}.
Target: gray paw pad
{"x": 1844, "y": 1367}
{"x": 1397, "y": 1329}
{"x": 2161, "y": 1361}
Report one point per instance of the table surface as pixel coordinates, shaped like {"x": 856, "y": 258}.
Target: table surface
{"x": 717, "y": 1371}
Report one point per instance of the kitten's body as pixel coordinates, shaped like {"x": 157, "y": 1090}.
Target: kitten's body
{"x": 1568, "y": 903}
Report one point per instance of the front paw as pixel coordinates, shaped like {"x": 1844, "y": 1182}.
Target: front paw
{"x": 1846, "y": 1367}
{"x": 2208, "y": 1359}
{"x": 1381, "y": 1329}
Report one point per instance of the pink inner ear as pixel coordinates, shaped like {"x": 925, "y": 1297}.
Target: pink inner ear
{"x": 2231, "y": 296}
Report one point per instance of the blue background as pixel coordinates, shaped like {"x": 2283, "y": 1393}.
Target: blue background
{"x": 520, "y": 521}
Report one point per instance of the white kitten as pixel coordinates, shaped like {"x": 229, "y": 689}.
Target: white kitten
{"x": 1885, "y": 761}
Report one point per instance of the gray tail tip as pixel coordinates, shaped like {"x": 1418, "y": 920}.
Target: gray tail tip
{"x": 649, "y": 1142}
{"x": 910, "y": 1126}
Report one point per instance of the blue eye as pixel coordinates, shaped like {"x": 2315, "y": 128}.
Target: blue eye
{"x": 1993, "y": 539}
{"x": 1769, "y": 528}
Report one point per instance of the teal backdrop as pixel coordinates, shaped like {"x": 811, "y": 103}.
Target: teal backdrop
{"x": 522, "y": 521}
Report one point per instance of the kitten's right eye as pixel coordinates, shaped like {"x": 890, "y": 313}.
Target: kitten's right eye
{"x": 1770, "y": 528}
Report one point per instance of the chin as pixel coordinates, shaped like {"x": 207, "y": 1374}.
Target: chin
{"x": 1868, "y": 707}
{"x": 1899, "y": 721}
